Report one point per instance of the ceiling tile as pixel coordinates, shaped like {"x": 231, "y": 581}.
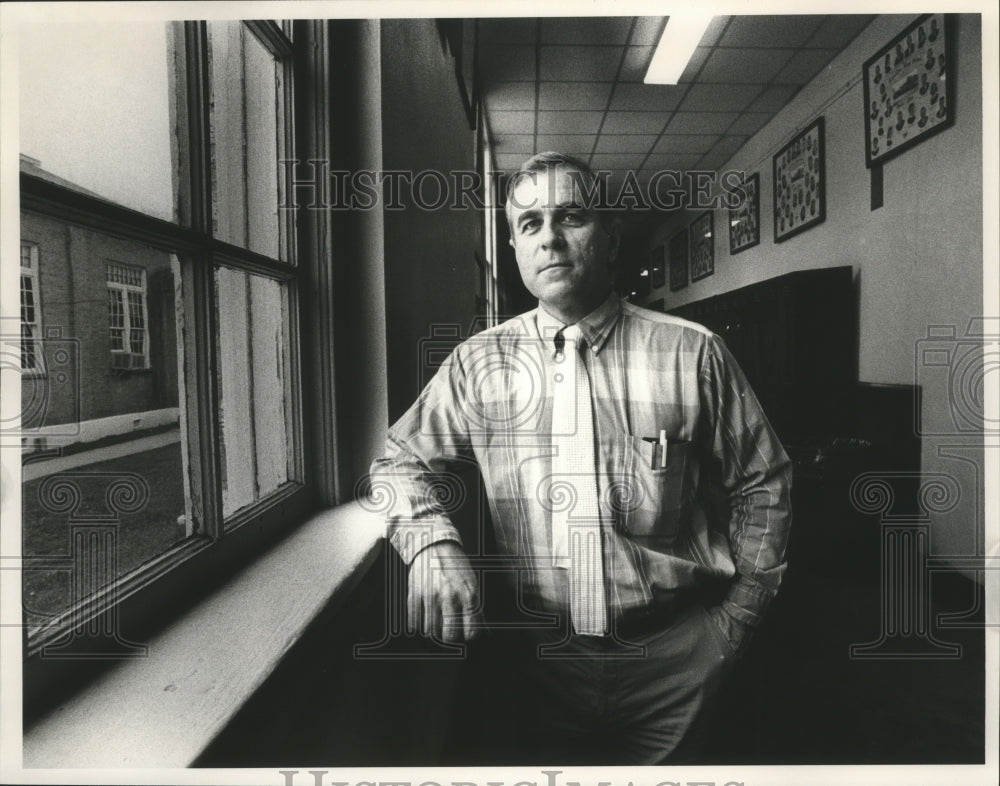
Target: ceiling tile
{"x": 507, "y": 63}
{"x": 717, "y": 98}
{"x": 645, "y": 173}
{"x": 599, "y": 30}
{"x": 574, "y": 95}
{"x": 694, "y": 64}
{"x": 635, "y": 122}
{"x": 580, "y": 63}
{"x": 512, "y": 122}
{"x": 714, "y": 30}
{"x": 685, "y": 143}
{"x": 647, "y": 98}
{"x": 507, "y": 31}
{"x": 700, "y": 122}
{"x": 625, "y": 143}
{"x": 569, "y": 122}
{"x": 713, "y": 161}
{"x": 571, "y": 144}
{"x": 647, "y": 30}
{"x": 772, "y": 99}
{"x": 770, "y": 30}
{"x": 804, "y": 65}
{"x": 636, "y": 63}
{"x": 668, "y": 192}
{"x": 748, "y": 68}
{"x": 839, "y": 30}
{"x": 728, "y": 145}
{"x": 514, "y": 143}
{"x": 510, "y": 95}
{"x": 672, "y": 160}
{"x": 749, "y": 123}
{"x": 744, "y": 65}
{"x": 616, "y": 160}
{"x": 509, "y": 162}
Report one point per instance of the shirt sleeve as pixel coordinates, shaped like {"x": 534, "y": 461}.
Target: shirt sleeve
{"x": 412, "y": 481}
{"x": 754, "y": 478}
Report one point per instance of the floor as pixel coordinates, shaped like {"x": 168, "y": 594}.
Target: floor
{"x": 797, "y": 697}
{"x": 800, "y": 697}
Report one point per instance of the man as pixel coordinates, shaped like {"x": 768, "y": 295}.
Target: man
{"x": 634, "y": 483}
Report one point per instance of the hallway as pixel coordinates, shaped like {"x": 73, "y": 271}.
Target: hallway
{"x": 278, "y": 230}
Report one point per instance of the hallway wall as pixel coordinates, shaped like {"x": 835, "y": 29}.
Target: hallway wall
{"x": 918, "y": 260}
{"x": 396, "y": 106}
{"x": 430, "y": 270}
{"x": 399, "y": 272}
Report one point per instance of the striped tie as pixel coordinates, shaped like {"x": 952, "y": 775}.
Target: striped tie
{"x": 576, "y": 529}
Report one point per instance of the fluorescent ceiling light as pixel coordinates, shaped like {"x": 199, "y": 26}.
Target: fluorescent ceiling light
{"x": 680, "y": 38}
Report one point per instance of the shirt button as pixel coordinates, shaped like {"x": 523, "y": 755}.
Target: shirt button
{"x": 594, "y": 350}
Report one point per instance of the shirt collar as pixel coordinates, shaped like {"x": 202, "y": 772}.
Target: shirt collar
{"x": 594, "y": 328}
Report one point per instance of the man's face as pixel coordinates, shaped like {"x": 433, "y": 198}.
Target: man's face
{"x": 563, "y": 251}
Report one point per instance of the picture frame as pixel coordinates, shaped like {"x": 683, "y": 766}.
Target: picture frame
{"x": 678, "y": 250}
{"x": 657, "y": 267}
{"x": 909, "y": 88}
{"x": 702, "y": 247}
{"x": 744, "y": 220}
{"x": 799, "y": 186}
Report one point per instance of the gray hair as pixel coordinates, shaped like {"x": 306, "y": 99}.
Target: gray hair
{"x": 544, "y": 162}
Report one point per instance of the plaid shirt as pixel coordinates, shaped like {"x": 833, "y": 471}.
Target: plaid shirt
{"x": 715, "y": 518}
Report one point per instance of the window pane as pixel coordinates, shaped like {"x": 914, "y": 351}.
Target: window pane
{"x": 116, "y": 320}
{"x": 247, "y": 122}
{"x": 27, "y": 300}
{"x": 104, "y": 472}
{"x": 96, "y": 110}
{"x": 254, "y": 385}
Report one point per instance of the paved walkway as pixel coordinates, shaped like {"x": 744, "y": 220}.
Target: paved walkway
{"x": 41, "y": 469}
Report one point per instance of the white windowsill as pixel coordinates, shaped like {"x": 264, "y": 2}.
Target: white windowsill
{"x": 163, "y": 710}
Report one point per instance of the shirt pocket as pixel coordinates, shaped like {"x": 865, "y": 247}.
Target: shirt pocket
{"x": 651, "y": 498}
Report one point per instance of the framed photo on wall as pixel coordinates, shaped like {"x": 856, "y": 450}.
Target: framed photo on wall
{"x": 744, "y": 221}
{"x": 909, "y": 87}
{"x": 800, "y": 183}
{"x": 657, "y": 271}
{"x": 678, "y": 250}
{"x": 702, "y": 247}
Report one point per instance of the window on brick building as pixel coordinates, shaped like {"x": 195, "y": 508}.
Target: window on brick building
{"x": 151, "y": 178}
{"x": 127, "y": 318}
{"x": 31, "y": 320}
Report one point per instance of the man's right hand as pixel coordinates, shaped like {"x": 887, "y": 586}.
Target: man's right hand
{"x": 442, "y": 601}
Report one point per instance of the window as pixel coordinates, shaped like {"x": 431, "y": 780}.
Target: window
{"x": 31, "y": 327}
{"x": 491, "y": 202}
{"x": 127, "y": 316}
{"x": 151, "y": 183}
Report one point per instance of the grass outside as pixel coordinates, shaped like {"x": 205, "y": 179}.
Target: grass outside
{"x": 137, "y": 536}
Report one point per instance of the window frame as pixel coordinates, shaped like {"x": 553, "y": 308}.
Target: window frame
{"x": 35, "y": 332}
{"x": 488, "y": 180}
{"x": 127, "y": 327}
{"x": 141, "y": 599}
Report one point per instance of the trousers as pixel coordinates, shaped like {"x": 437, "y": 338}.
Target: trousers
{"x": 637, "y": 700}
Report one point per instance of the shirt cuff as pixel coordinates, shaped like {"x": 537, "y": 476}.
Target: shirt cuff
{"x": 747, "y": 601}
{"x": 411, "y": 538}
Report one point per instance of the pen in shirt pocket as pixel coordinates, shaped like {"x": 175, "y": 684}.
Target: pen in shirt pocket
{"x": 658, "y": 451}
{"x": 660, "y": 448}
